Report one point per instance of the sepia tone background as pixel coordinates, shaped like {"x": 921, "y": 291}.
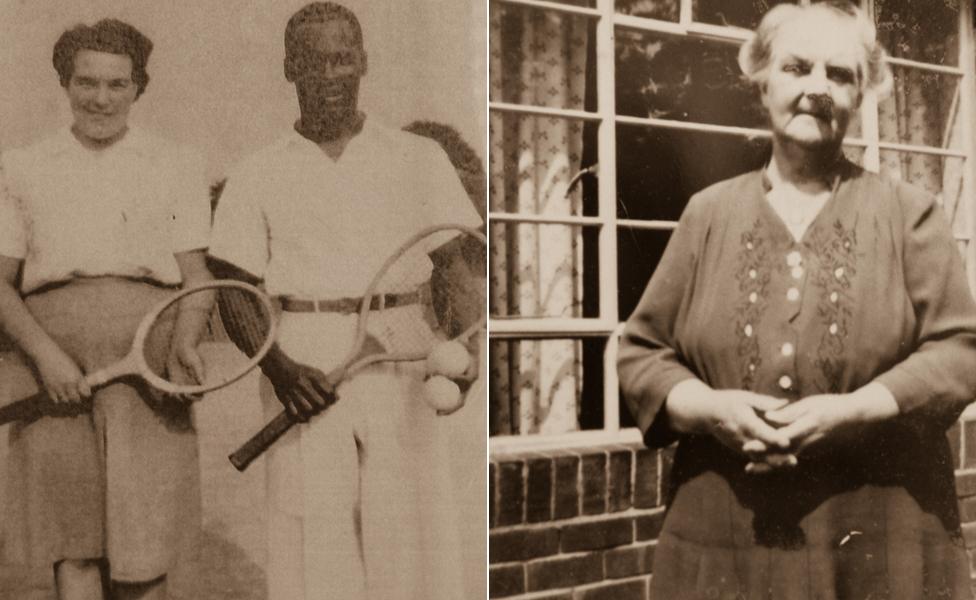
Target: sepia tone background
{"x": 217, "y": 84}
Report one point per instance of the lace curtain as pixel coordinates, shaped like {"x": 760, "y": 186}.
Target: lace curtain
{"x": 539, "y": 59}
{"x": 923, "y": 109}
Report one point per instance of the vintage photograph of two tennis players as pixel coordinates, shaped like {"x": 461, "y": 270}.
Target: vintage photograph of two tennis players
{"x": 242, "y": 230}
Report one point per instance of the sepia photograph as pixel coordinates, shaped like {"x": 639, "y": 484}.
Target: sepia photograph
{"x": 732, "y": 328}
{"x": 243, "y": 300}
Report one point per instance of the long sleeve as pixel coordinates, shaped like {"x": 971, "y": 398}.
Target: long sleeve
{"x": 649, "y": 364}
{"x": 939, "y": 377}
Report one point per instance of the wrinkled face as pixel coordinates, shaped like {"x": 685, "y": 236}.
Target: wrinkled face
{"x": 813, "y": 87}
{"x": 101, "y": 92}
{"x": 326, "y": 65}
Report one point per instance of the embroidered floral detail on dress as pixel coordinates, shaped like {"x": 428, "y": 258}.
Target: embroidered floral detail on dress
{"x": 753, "y": 275}
{"x": 836, "y": 268}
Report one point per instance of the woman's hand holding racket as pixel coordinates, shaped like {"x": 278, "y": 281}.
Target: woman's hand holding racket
{"x": 388, "y": 330}
{"x": 62, "y": 379}
{"x": 165, "y": 359}
{"x": 184, "y": 365}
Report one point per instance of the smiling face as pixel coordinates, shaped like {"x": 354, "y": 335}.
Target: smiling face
{"x": 326, "y": 65}
{"x": 101, "y": 92}
{"x": 813, "y": 88}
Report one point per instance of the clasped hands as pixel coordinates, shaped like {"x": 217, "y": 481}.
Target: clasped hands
{"x": 773, "y": 432}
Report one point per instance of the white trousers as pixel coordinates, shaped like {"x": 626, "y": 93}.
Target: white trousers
{"x": 361, "y": 503}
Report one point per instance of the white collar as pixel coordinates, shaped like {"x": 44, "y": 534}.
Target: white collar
{"x": 296, "y": 141}
{"x": 135, "y": 140}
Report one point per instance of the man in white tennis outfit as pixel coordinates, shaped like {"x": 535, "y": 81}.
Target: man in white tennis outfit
{"x": 355, "y": 492}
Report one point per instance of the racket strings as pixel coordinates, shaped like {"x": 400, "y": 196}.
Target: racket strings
{"x": 458, "y": 285}
{"x": 401, "y": 297}
{"x": 236, "y": 313}
{"x": 447, "y": 274}
{"x": 244, "y": 318}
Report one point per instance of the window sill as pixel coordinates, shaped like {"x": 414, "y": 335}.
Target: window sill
{"x": 504, "y": 447}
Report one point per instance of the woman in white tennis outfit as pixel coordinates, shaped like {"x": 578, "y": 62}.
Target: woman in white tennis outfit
{"x": 98, "y": 223}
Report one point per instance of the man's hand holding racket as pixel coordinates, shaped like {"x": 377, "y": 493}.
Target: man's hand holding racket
{"x": 303, "y": 390}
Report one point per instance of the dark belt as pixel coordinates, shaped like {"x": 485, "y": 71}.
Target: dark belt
{"x": 352, "y": 305}
{"x": 53, "y": 285}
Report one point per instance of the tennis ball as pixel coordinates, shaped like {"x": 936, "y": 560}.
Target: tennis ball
{"x": 442, "y": 394}
{"x": 450, "y": 359}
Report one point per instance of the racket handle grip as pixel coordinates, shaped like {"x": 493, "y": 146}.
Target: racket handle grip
{"x": 21, "y": 410}
{"x": 261, "y": 441}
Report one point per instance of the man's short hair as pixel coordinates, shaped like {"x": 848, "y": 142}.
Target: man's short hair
{"x": 321, "y": 12}
{"x": 108, "y": 35}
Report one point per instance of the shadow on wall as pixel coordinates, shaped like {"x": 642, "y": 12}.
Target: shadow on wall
{"x": 225, "y": 572}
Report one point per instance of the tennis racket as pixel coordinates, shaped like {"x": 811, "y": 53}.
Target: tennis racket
{"x": 456, "y": 299}
{"x": 150, "y": 347}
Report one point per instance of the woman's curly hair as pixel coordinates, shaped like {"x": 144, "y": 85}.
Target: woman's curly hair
{"x": 108, "y": 35}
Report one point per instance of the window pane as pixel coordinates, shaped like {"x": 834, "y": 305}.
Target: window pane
{"x": 740, "y": 13}
{"x": 638, "y": 252}
{"x": 683, "y": 79}
{"x": 938, "y": 175}
{"x": 538, "y": 57}
{"x": 659, "y": 169}
{"x": 923, "y": 31}
{"x": 538, "y": 386}
{"x": 662, "y": 10}
{"x": 542, "y": 271}
{"x": 536, "y": 162}
{"x": 920, "y": 107}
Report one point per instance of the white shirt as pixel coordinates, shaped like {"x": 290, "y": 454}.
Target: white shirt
{"x": 125, "y": 210}
{"x": 314, "y": 227}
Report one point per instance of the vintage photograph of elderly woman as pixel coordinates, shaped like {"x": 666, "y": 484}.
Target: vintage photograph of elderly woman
{"x": 770, "y": 400}
{"x": 289, "y": 147}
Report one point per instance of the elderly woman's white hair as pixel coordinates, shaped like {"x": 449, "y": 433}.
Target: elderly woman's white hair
{"x": 756, "y": 53}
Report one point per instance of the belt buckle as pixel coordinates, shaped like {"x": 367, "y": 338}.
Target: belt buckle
{"x": 382, "y": 302}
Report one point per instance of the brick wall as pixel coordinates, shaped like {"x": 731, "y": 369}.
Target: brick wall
{"x": 582, "y": 524}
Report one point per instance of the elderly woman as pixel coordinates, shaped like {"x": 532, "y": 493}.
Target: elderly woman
{"x": 97, "y": 224}
{"x": 807, "y": 339}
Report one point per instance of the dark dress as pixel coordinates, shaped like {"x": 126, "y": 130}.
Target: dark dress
{"x": 874, "y": 291}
